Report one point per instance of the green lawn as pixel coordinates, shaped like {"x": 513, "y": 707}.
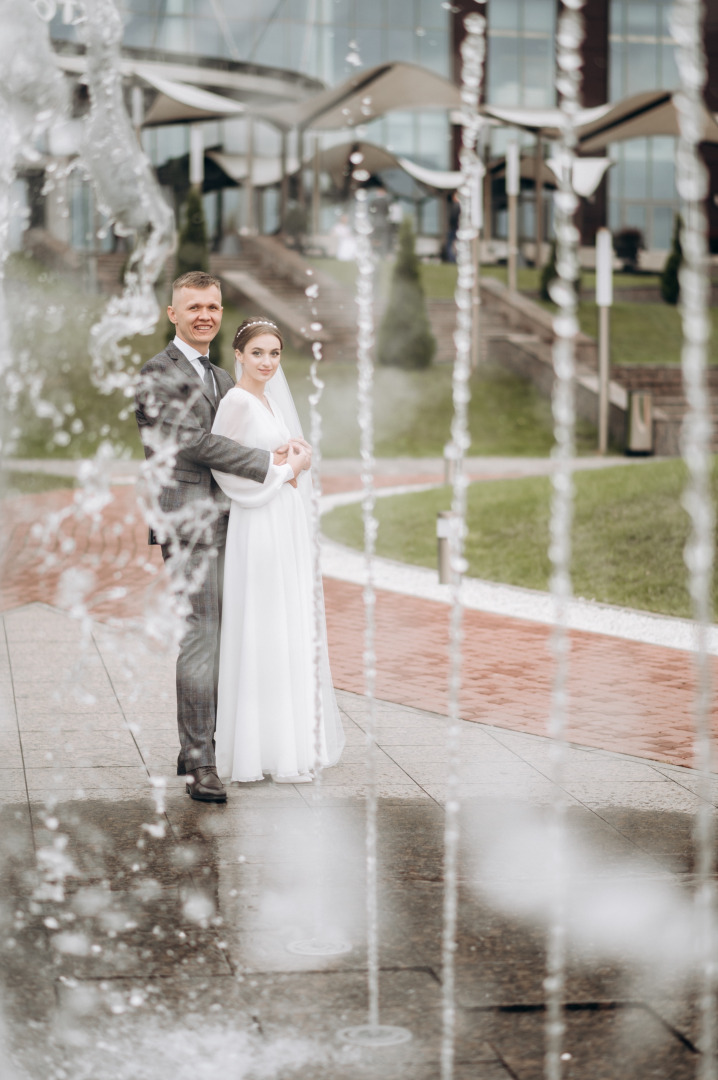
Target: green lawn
{"x": 51, "y": 318}
{"x": 628, "y": 535}
{"x": 641, "y": 333}
{"x": 21, "y": 483}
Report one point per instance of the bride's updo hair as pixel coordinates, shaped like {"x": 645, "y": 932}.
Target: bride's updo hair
{"x": 252, "y": 328}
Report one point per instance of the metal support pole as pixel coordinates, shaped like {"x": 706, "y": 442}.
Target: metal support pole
{"x": 604, "y": 299}
{"x": 249, "y": 222}
{"x": 316, "y": 191}
{"x": 538, "y": 201}
{"x": 196, "y": 156}
{"x": 513, "y": 182}
{"x": 604, "y": 314}
{"x": 300, "y": 174}
{"x": 284, "y": 183}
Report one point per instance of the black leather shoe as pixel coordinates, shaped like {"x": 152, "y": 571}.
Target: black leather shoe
{"x": 205, "y": 786}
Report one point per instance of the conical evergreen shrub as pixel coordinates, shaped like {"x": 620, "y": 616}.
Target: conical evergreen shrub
{"x": 405, "y": 339}
{"x": 670, "y": 285}
{"x": 193, "y": 248}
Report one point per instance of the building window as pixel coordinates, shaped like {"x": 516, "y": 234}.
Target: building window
{"x": 521, "y": 53}
{"x": 641, "y": 186}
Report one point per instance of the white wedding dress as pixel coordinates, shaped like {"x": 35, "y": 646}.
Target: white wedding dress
{"x": 266, "y": 699}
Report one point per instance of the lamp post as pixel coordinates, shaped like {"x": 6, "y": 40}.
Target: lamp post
{"x": 512, "y": 191}
{"x": 604, "y": 299}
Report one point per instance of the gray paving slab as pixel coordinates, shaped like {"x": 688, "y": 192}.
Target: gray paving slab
{"x": 137, "y": 941}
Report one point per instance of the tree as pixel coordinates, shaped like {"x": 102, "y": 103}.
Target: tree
{"x": 405, "y": 339}
{"x": 193, "y": 249}
{"x": 670, "y": 285}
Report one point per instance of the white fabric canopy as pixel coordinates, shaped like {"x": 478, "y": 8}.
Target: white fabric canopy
{"x": 178, "y": 102}
{"x": 651, "y": 113}
{"x": 267, "y": 171}
{"x": 547, "y": 121}
{"x": 586, "y": 173}
{"x": 366, "y": 96}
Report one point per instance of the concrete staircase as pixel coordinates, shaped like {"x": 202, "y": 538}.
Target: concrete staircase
{"x": 269, "y": 279}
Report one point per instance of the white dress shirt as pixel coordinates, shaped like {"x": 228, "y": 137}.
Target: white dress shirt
{"x": 275, "y": 472}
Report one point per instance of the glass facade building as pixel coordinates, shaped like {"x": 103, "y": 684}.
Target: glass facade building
{"x": 329, "y": 40}
{"x": 641, "y": 185}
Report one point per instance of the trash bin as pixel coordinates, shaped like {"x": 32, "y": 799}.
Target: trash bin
{"x": 639, "y": 435}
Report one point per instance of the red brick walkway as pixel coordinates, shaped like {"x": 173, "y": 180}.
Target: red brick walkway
{"x": 625, "y": 696}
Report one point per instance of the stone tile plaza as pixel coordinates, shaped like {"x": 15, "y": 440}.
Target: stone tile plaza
{"x": 469, "y": 250}
{"x": 169, "y": 952}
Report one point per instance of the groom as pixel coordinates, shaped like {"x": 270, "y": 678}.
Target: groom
{"x": 177, "y": 397}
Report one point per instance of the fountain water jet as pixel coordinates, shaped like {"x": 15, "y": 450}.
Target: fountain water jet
{"x": 687, "y": 19}
{"x": 473, "y": 50}
{"x": 317, "y": 945}
{"x": 569, "y": 37}
{"x": 371, "y": 1034}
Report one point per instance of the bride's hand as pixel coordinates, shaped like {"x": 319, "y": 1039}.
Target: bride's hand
{"x": 299, "y": 458}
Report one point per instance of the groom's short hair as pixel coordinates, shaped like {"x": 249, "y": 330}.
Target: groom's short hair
{"x": 195, "y": 279}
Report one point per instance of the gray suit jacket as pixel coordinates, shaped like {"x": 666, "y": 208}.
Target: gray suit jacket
{"x": 173, "y": 402}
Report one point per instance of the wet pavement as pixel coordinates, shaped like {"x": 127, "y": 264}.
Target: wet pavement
{"x": 144, "y": 935}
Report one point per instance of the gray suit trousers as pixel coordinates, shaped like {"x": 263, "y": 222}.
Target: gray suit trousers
{"x": 198, "y": 660}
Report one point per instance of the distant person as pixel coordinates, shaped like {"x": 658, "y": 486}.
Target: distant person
{"x": 379, "y": 216}
{"x": 453, "y": 219}
{"x": 268, "y": 663}
{"x": 396, "y": 216}
{"x": 178, "y": 394}
{"x": 346, "y": 248}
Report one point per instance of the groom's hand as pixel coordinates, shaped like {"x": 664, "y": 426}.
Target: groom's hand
{"x": 280, "y": 455}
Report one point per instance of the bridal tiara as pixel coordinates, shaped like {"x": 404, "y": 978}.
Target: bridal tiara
{"x": 259, "y": 322}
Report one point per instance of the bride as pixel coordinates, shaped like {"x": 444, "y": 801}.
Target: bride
{"x": 266, "y": 713}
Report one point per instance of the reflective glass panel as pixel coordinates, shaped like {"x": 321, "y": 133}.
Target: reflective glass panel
{"x": 634, "y": 217}
{"x": 635, "y": 163}
{"x": 399, "y": 13}
{"x": 538, "y": 71}
{"x": 397, "y": 45}
{"x": 616, "y": 17}
{"x": 662, "y": 227}
{"x": 663, "y": 172}
{"x": 432, "y": 13}
{"x": 505, "y": 15}
{"x": 540, "y": 15}
{"x": 642, "y": 17}
{"x": 641, "y": 67}
{"x": 434, "y": 53}
{"x": 617, "y": 70}
{"x": 669, "y": 70}
{"x": 504, "y": 84}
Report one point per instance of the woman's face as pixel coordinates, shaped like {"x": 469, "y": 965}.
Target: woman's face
{"x": 261, "y": 357}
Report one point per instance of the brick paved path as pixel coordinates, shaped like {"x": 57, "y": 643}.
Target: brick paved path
{"x": 626, "y": 696}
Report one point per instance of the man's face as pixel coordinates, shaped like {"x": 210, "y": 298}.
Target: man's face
{"x": 197, "y": 314}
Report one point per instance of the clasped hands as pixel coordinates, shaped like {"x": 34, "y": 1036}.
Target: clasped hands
{"x": 297, "y": 453}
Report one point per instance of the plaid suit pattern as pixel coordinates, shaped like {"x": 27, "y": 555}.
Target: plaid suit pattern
{"x": 174, "y": 409}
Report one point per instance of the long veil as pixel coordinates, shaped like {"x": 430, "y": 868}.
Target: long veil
{"x": 278, "y": 390}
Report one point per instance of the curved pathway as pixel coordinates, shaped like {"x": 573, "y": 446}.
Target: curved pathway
{"x": 631, "y": 674}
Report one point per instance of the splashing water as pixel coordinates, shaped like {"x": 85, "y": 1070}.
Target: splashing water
{"x": 473, "y": 51}
{"x": 687, "y": 19}
{"x": 372, "y": 1034}
{"x": 569, "y": 37}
